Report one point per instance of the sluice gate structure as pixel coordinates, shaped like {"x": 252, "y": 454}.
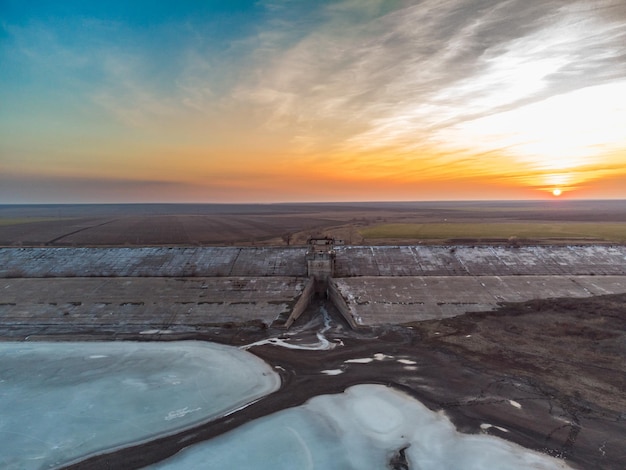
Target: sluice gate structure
{"x": 174, "y": 289}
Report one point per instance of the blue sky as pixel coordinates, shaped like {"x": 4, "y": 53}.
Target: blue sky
{"x": 274, "y": 100}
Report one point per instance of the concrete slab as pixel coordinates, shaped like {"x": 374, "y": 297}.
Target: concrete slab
{"x": 379, "y": 300}
{"x": 480, "y": 261}
{"x": 523, "y": 288}
{"x": 151, "y": 262}
{"x": 289, "y": 261}
{"x": 601, "y": 285}
{"x": 144, "y": 303}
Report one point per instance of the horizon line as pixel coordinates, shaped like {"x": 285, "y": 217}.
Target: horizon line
{"x": 251, "y": 203}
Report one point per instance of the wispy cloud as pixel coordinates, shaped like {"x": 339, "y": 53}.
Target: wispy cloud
{"x": 24, "y": 188}
{"x": 127, "y": 91}
{"x": 402, "y": 91}
{"x": 406, "y": 81}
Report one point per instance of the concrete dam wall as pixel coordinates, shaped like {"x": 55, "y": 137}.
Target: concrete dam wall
{"x": 280, "y": 261}
{"x": 143, "y": 290}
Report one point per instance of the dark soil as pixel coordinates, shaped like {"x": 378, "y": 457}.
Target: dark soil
{"x": 271, "y": 224}
{"x": 550, "y": 372}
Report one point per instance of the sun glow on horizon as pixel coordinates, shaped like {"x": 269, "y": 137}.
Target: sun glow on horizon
{"x": 561, "y": 140}
{"x": 556, "y": 192}
{"x": 338, "y": 105}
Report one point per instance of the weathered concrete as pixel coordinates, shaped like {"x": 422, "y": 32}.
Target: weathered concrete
{"x": 281, "y": 261}
{"x": 137, "y": 304}
{"x": 102, "y": 287}
{"x": 152, "y": 262}
{"x": 339, "y": 301}
{"x": 303, "y": 302}
{"x": 379, "y": 300}
{"x": 479, "y": 260}
{"x": 320, "y": 260}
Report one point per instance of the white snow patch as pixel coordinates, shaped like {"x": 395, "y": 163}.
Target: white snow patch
{"x": 361, "y": 360}
{"x": 486, "y": 426}
{"x": 359, "y": 430}
{"x": 382, "y": 357}
{"x": 367, "y": 360}
{"x": 376, "y": 414}
{"x": 515, "y": 404}
{"x": 322, "y": 344}
{"x": 406, "y": 361}
{"x": 332, "y": 371}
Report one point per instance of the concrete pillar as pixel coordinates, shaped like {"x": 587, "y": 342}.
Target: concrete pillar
{"x": 302, "y": 303}
{"x": 321, "y": 262}
{"x": 340, "y": 303}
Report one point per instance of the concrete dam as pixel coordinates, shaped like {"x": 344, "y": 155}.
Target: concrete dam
{"x": 160, "y": 289}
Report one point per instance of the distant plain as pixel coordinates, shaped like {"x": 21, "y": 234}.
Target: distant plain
{"x": 376, "y": 223}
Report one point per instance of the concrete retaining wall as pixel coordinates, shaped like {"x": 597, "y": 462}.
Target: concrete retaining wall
{"x": 479, "y": 261}
{"x": 371, "y": 285}
{"x": 379, "y": 300}
{"x": 302, "y": 303}
{"x": 281, "y": 261}
{"x": 338, "y": 300}
{"x": 152, "y": 262}
{"x": 136, "y": 304}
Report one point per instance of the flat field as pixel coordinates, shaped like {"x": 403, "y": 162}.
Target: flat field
{"x": 381, "y": 223}
{"x": 24, "y": 220}
{"x": 583, "y": 231}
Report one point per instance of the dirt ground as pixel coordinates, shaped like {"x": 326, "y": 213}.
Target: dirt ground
{"x": 269, "y": 224}
{"x": 548, "y": 375}
{"x": 575, "y": 346}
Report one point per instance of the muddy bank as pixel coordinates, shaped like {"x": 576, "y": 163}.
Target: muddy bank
{"x": 548, "y": 375}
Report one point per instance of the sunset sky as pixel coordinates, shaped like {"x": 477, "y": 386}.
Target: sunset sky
{"x": 303, "y": 100}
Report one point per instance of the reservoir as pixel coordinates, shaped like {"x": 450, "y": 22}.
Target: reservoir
{"x": 62, "y": 402}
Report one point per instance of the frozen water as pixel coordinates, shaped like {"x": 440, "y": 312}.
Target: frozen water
{"x": 367, "y": 360}
{"x": 485, "y": 426}
{"x": 360, "y": 360}
{"x": 63, "y": 401}
{"x": 382, "y": 357}
{"x": 322, "y": 343}
{"x": 361, "y": 429}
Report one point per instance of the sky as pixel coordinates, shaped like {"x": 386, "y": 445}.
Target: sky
{"x": 302, "y": 100}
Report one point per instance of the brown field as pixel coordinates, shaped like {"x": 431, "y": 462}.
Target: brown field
{"x": 272, "y": 224}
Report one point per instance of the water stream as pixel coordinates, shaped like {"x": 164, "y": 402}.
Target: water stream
{"x": 322, "y": 344}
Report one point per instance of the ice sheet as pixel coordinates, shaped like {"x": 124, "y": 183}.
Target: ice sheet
{"x": 363, "y": 428}
{"x": 61, "y": 401}
{"x": 322, "y": 343}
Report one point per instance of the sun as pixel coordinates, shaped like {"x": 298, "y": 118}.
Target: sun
{"x": 556, "y": 192}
